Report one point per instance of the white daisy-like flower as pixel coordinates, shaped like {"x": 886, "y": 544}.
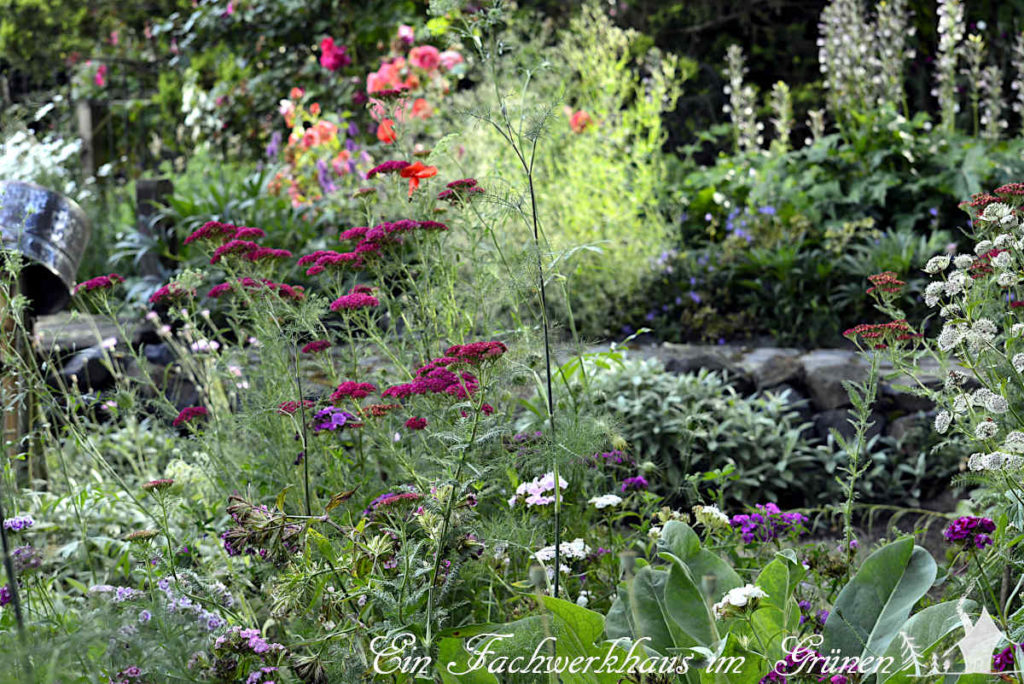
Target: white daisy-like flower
{"x": 1018, "y": 362}
{"x": 654, "y": 532}
{"x": 963, "y": 261}
{"x": 738, "y": 598}
{"x": 986, "y": 429}
{"x": 982, "y": 247}
{"x": 942, "y": 421}
{"x": 605, "y": 501}
{"x": 933, "y": 293}
{"x": 937, "y": 264}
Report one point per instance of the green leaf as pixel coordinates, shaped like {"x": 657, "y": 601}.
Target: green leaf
{"x": 925, "y": 630}
{"x": 687, "y": 608}
{"x": 875, "y": 604}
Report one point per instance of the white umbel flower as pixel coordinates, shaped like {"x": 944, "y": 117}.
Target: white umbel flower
{"x": 986, "y": 429}
{"x": 737, "y": 599}
{"x": 957, "y": 283}
{"x": 1003, "y": 260}
{"x": 982, "y": 247}
{"x": 605, "y": 501}
{"x": 1004, "y": 241}
{"x": 933, "y": 293}
{"x": 1018, "y": 362}
{"x": 1007, "y": 279}
{"x": 942, "y": 421}
{"x": 1014, "y": 442}
{"x": 937, "y": 264}
{"x": 963, "y": 261}
{"x": 577, "y": 549}
{"x": 950, "y": 337}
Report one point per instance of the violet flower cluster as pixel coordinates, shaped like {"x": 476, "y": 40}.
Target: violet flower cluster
{"x": 970, "y": 531}
{"x": 767, "y": 523}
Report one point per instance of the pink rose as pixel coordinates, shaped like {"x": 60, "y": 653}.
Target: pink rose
{"x": 333, "y": 57}
{"x": 449, "y": 58}
{"x": 406, "y": 34}
{"x": 426, "y": 57}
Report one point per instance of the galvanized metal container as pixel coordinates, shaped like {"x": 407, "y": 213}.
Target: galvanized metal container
{"x": 51, "y": 232}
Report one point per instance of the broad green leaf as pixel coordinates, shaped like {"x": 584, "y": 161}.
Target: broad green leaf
{"x": 922, "y": 632}
{"x": 876, "y": 602}
{"x": 687, "y": 608}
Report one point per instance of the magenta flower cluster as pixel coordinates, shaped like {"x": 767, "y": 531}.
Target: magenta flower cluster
{"x": 970, "y": 531}
{"x": 768, "y": 522}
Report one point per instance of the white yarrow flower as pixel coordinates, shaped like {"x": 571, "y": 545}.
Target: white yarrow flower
{"x": 942, "y": 421}
{"x": 1007, "y": 279}
{"x": 1014, "y": 442}
{"x": 933, "y": 292}
{"x": 1003, "y": 260}
{"x": 949, "y": 337}
{"x": 982, "y": 247}
{"x": 711, "y": 517}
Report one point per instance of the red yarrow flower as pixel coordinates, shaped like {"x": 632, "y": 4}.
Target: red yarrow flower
{"x": 103, "y": 282}
{"x": 289, "y": 408}
{"x": 387, "y": 167}
{"x": 316, "y": 346}
{"x": 354, "y": 390}
{"x": 354, "y": 301}
{"x": 170, "y": 291}
{"x": 475, "y": 352}
{"x": 242, "y": 247}
{"x": 190, "y": 413}
{"x": 885, "y": 282}
{"x": 212, "y": 230}
{"x": 267, "y": 254}
{"x": 249, "y": 233}
{"x": 157, "y": 485}
{"x": 416, "y": 423}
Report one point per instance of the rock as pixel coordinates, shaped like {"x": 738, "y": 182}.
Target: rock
{"x": 684, "y": 358}
{"x": 771, "y": 366}
{"x": 905, "y": 426}
{"x": 158, "y": 354}
{"x": 825, "y": 370}
{"x": 904, "y": 401}
{"x": 88, "y": 370}
{"x": 839, "y": 419}
{"x": 69, "y": 332}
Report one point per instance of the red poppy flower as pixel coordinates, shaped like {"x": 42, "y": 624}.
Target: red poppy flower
{"x": 385, "y": 132}
{"x": 415, "y": 172}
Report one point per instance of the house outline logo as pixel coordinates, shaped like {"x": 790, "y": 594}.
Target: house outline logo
{"x": 979, "y": 643}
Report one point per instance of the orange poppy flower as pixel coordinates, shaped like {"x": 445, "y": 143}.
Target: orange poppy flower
{"x": 385, "y": 132}
{"x": 415, "y": 172}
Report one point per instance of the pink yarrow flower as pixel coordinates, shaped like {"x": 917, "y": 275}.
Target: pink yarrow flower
{"x": 103, "y": 282}
{"x": 190, "y": 413}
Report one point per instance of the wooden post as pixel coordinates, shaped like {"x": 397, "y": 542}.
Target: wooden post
{"x": 92, "y": 116}
{"x": 149, "y": 192}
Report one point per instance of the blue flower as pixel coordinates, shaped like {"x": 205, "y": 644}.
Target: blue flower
{"x": 695, "y": 297}
{"x": 767, "y": 210}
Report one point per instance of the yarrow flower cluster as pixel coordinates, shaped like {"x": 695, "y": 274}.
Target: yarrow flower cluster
{"x": 103, "y": 282}
{"x": 460, "y": 190}
{"x": 189, "y": 414}
{"x": 605, "y": 501}
{"x": 711, "y": 517}
{"x": 767, "y": 523}
{"x": 970, "y": 531}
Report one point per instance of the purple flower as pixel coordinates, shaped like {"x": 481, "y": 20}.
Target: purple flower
{"x": 274, "y": 146}
{"x": 970, "y": 531}
{"x": 1004, "y": 660}
{"x": 695, "y": 297}
{"x": 768, "y": 523}
{"x": 331, "y": 419}
{"x": 18, "y": 523}
{"x": 767, "y": 210}
{"x": 638, "y": 482}
{"x": 5, "y": 595}
{"x": 145, "y": 616}
{"x": 323, "y": 176}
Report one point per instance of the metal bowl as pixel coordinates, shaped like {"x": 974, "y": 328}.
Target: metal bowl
{"x": 51, "y": 232}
